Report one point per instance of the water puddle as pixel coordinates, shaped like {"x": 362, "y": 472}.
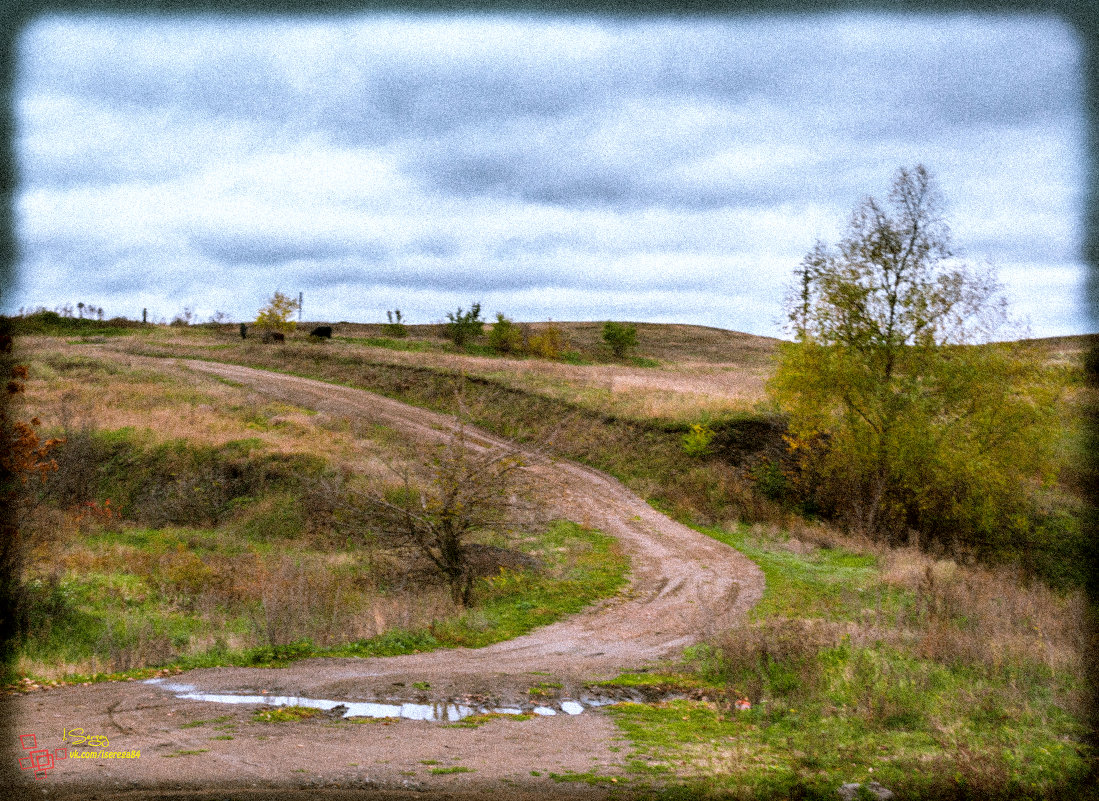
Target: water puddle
{"x": 443, "y": 711}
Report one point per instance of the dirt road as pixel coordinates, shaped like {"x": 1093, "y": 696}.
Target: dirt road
{"x": 683, "y": 586}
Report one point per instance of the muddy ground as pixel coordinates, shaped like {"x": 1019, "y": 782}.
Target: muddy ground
{"x": 683, "y": 587}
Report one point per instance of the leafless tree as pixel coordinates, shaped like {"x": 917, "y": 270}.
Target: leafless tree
{"x": 470, "y": 489}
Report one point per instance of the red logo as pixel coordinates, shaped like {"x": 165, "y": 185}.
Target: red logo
{"x": 39, "y": 760}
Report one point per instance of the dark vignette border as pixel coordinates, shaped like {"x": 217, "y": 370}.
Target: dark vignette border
{"x": 1083, "y": 15}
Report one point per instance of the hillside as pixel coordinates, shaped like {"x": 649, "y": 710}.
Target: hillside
{"x": 860, "y": 661}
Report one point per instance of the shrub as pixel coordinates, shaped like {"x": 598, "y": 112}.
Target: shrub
{"x": 464, "y": 326}
{"x": 505, "y": 336}
{"x": 696, "y": 442}
{"x": 469, "y": 491}
{"x": 550, "y": 343}
{"x": 275, "y": 316}
{"x": 395, "y": 328}
{"x": 770, "y": 480}
{"x": 620, "y": 336}
{"x": 184, "y": 318}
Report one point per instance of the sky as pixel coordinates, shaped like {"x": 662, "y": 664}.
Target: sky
{"x": 566, "y": 168}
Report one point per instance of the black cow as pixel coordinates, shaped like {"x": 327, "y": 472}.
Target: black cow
{"x": 322, "y": 332}
{"x": 273, "y": 336}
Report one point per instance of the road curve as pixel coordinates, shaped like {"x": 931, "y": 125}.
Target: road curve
{"x": 684, "y": 585}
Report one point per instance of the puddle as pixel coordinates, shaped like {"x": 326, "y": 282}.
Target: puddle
{"x": 443, "y": 711}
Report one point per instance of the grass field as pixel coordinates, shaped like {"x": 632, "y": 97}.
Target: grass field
{"x": 863, "y": 663}
{"x": 187, "y": 526}
{"x": 936, "y": 676}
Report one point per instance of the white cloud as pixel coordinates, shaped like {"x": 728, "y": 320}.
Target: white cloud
{"x": 559, "y": 167}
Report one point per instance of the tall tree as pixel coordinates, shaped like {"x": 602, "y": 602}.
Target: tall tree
{"x": 899, "y": 418}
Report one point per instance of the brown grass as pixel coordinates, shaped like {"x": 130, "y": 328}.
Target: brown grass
{"x": 666, "y": 342}
{"x": 320, "y": 587}
{"x": 970, "y": 614}
{"x": 168, "y": 403}
{"x": 704, "y": 372}
{"x": 964, "y": 613}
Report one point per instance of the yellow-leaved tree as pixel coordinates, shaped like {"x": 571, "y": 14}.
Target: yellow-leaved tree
{"x": 903, "y": 414}
{"x": 275, "y": 317}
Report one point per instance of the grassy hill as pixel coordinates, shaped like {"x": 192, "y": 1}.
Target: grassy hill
{"x": 192, "y": 523}
{"x": 935, "y": 675}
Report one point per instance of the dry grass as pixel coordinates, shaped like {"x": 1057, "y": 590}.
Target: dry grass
{"x": 687, "y": 391}
{"x": 666, "y": 342}
{"x": 703, "y": 373}
{"x": 970, "y": 614}
{"x": 81, "y": 386}
{"x": 250, "y": 581}
{"x": 308, "y": 599}
{"x": 961, "y": 612}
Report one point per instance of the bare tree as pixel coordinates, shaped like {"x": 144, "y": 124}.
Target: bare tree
{"x": 470, "y": 489}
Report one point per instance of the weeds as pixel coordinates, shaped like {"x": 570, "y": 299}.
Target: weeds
{"x": 884, "y": 665}
{"x": 284, "y": 714}
{"x": 156, "y": 597}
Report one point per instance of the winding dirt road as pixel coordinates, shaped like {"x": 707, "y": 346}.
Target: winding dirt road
{"x": 683, "y": 586}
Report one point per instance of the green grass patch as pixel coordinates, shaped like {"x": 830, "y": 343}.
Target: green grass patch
{"x": 829, "y": 583}
{"x": 409, "y": 345}
{"x": 142, "y": 601}
{"x": 284, "y": 714}
{"x": 452, "y": 769}
{"x": 589, "y": 567}
{"x": 663, "y": 682}
{"x": 544, "y": 689}
{"x": 810, "y": 749}
{"x": 588, "y": 777}
{"x": 826, "y": 709}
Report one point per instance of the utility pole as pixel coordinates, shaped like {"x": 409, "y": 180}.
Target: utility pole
{"x": 301, "y": 298}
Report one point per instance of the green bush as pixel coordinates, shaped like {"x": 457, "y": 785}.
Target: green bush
{"x": 620, "y": 336}
{"x": 464, "y": 326}
{"x": 1058, "y": 550}
{"x": 505, "y": 336}
{"x": 550, "y": 343}
{"x": 770, "y": 480}
{"x": 395, "y": 328}
{"x": 696, "y": 442}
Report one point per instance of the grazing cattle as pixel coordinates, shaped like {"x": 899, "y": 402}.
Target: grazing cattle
{"x": 243, "y": 331}
{"x": 322, "y": 331}
{"x": 273, "y": 336}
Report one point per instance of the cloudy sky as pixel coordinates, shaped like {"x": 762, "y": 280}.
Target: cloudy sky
{"x": 569, "y": 168}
